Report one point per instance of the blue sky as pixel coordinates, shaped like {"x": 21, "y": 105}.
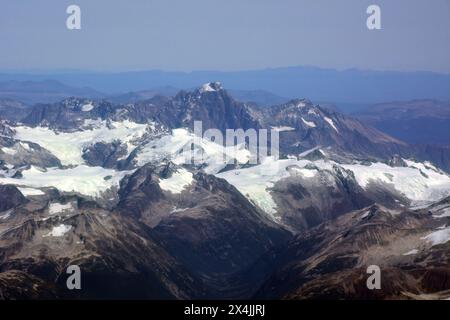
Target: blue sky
{"x": 191, "y": 35}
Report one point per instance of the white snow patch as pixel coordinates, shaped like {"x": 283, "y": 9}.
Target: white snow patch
{"x": 175, "y": 210}
{"x": 56, "y": 207}
{"x": 89, "y": 181}
{"x": 255, "y": 182}
{"x": 177, "y": 148}
{"x": 305, "y": 153}
{"x": 68, "y": 146}
{"x": 365, "y": 214}
{"x": 59, "y": 231}
{"x": 26, "y": 146}
{"x": 307, "y": 173}
{"x": 443, "y": 213}
{"x": 6, "y": 215}
{"x": 413, "y": 251}
{"x": 30, "y": 191}
{"x": 87, "y": 107}
{"x": 208, "y": 88}
{"x": 438, "y": 237}
{"x": 282, "y": 128}
{"x": 177, "y": 182}
{"x": 406, "y": 180}
{"x": 9, "y": 151}
{"x": 331, "y": 123}
{"x": 424, "y": 166}
{"x": 309, "y": 123}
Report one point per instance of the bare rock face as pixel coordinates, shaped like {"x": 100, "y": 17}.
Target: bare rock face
{"x": 210, "y": 104}
{"x": 155, "y": 244}
{"x": 117, "y": 256}
{"x": 10, "y": 197}
{"x": 210, "y": 227}
{"x": 26, "y": 154}
{"x": 69, "y": 114}
{"x": 106, "y": 155}
{"x": 331, "y": 260}
{"x": 5, "y": 130}
{"x": 314, "y": 126}
{"x": 306, "y": 203}
{"x": 19, "y": 285}
{"x": 12, "y": 110}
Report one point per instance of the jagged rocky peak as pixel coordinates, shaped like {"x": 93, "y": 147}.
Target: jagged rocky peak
{"x": 397, "y": 161}
{"x": 5, "y": 129}
{"x": 301, "y": 112}
{"x": 79, "y": 104}
{"x": 211, "y": 92}
{"x": 210, "y": 104}
{"x": 10, "y": 197}
{"x": 211, "y": 87}
{"x": 299, "y": 104}
{"x": 62, "y": 115}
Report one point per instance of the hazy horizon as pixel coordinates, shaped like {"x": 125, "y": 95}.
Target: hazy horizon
{"x": 36, "y": 71}
{"x": 201, "y": 35}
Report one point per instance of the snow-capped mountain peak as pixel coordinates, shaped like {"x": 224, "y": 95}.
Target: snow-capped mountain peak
{"x": 211, "y": 87}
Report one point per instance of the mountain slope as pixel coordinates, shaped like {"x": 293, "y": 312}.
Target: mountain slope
{"x": 314, "y": 126}
{"x": 330, "y": 261}
{"x": 45, "y": 91}
{"x": 417, "y": 121}
{"x": 319, "y": 84}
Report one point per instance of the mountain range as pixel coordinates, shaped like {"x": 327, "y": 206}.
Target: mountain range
{"x": 106, "y": 186}
{"x": 416, "y": 121}
{"x": 318, "y": 84}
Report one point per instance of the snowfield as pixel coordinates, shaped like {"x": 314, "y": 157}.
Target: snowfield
{"x": 416, "y": 182}
{"x": 182, "y": 146}
{"x": 419, "y": 183}
{"x": 9, "y": 151}
{"x": 177, "y": 182}
{"x": 442, "y": 211}
{"x": 309, "y": 123}
{"x": 88, "y": 181}
{"x": 255, "y": 182}
{"x": 58, "y": 231}
{"x": 87, "y": 107}
{"x": 331, "y": 123}
{"x": 438, "y": 237}
{"x": 31, "y": 192}
{"x": 283, "y": 128}
{"x": 55, "y": 208}
{"x": 68, "y": 146}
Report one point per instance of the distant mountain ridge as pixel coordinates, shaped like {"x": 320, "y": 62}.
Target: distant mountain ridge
{"x": 45, "y": 91}
{"x": 416, "y": 121}
{"x": 318, "y": 84}
{"x": 13, "y": 93}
